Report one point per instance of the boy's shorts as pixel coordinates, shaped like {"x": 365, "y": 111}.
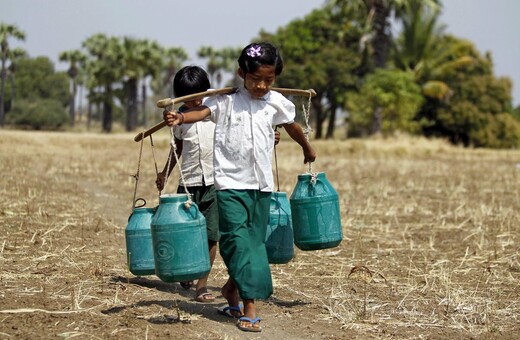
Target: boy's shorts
{"x": 206, "y": 199}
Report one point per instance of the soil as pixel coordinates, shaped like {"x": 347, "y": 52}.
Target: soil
{"x": 430, "y": 247}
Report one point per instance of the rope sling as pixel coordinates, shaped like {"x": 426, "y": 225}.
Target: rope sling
{"x": 173, "y": 149}
{"x": 306, "y": 131}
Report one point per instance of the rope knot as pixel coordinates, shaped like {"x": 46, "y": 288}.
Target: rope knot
{"x": 188, "y": 202}
{"x": 314, "y": 177}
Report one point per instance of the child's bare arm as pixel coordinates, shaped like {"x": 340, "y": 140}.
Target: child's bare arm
{"x": 296, "y": 133}
{"x": 190, "y": 116}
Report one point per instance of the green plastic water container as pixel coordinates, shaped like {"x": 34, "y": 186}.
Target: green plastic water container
{"x": 138, "y": 237}
{"x": 279, "y": 239}
{"x": 315, "y": 213}
{"x": 180, "y": 241}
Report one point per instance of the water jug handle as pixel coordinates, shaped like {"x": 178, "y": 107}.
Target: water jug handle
{"x": 188, "y": 205}
{"x": 313, "y": 180}
{"x": 140, "y": 206}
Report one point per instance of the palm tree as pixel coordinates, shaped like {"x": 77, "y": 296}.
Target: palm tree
{"x": 219, "y": 61}
{"x": 212, "y": 64}
{"x": 6, "y": 32}
{"x": 153, "y": 63}
{"x": 15, "y": 56}
{"x": 419, "y": 49}
{"x": 140, "y": 59}
{"x": 74, "y": 58}
{"x": 229, "y": 64}
{"x": 378, "y": 14}
{"x": 173, "y": 58}
{"x": 132, "y": 62}
{"x": 104, "y": 70}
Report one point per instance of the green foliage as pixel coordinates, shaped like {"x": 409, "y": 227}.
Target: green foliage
{"x": 392, "y": 91}
{"x": 41, "y": 95}
{"x": 39, "y": 114}
{"x": 218, "y": 61}
{"x": 516, "y": 112}
{"x": 7, "y": 54}
{"x": 320, "y": 52}
{"x": 479, "y": 105}
{"x": 37, "y": 79}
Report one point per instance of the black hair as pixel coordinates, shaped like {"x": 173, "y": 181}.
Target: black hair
{"x": 257, "y": 54}
{"x": 189, "y": 80}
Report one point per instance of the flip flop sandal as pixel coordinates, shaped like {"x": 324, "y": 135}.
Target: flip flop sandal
{"x": 251, "y": 327}
{"x": 204, "y": 296}
{"x": 226, "y": 311}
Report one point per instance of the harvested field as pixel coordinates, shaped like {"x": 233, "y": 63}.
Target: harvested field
{"x": 431, "y": 245}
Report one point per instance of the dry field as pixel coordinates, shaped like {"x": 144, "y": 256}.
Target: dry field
{"x": 430, "y": 250}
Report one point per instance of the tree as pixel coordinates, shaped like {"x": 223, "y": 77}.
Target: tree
{"x": 219, "y": 62}
{"x": 140, "y": 58}
{"x": 6, "y": 32}
{"x": 479, "y": 112}
{"x": 377, "y": 15}
{"x": 104, "y": 70}
{"x": 74, "y": 58}
{"x": 320, "y": 52}
{"x": 16, "y": 55}
{"x": 173, "y": 58}
{"x": 395, "y": 93}
{"x": 42, "y": 95}
{"x": 36, "y": 78}
{"x": 419, "y": 49}
{"x": 132, "y": 65}
{"x": 153, "y": 64}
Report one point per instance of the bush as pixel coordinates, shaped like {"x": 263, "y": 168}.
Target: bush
{"x": 397, "y": 97}
{"x": 41, "y": 114}
{"x": 503, "y": 132}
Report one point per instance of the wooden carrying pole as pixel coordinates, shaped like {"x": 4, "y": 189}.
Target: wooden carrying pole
{"x": 226, "y": 90}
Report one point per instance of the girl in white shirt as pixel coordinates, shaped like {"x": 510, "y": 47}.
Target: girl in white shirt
{"x": 194, "y": 142}
{"x": 243, "y": 146}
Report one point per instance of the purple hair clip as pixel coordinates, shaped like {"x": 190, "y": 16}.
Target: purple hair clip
{"x": 254, "y": 51}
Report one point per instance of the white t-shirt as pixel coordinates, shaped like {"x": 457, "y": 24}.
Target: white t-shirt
{"x": 244, "y": 138}
{"x": 197, "y": 152}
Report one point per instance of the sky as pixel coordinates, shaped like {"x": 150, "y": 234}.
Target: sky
{"x": 53, "y": 26}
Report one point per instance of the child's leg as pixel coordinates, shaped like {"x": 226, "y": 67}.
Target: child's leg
{"x": 203, "y": 282}
{"x": 230, "y": 293}
{"x": 205, "y": 198}
{"x": 250, "y": 312}
{"x": 249, "y": 308}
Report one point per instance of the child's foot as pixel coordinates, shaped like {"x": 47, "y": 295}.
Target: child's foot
{"x": 204, "y": 296}
{"x": 230, "y": 293}
{"x": 249, "y": 322}
{"x": 249, "y": 325}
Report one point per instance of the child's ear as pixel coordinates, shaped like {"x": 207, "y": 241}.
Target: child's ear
{"x": 241, "y": 73}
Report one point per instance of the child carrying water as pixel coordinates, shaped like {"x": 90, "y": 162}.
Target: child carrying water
{"x": 243, "y": 147}
{"x": 195, "y": 143}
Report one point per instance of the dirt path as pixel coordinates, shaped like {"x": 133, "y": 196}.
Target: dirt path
{"x": 430, "y": 246}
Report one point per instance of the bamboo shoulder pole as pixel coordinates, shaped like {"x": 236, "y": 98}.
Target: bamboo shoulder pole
{"x": 225, "y": 90}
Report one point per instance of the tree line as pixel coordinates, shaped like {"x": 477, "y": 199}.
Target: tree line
{"x": 421, "y": 81}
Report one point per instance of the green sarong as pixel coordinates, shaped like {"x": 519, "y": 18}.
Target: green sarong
{"x": 243, "y": 219}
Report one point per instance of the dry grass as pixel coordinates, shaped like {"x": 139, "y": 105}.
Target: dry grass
{"x": 430, "y": 250}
